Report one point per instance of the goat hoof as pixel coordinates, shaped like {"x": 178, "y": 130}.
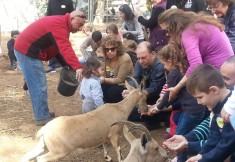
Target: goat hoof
{"x": 108, "y": 158}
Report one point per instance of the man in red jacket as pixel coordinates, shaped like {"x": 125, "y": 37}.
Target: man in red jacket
{"x": 42, "y": 40}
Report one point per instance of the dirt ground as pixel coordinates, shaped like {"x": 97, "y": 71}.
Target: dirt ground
{"x": 17, "y": 125}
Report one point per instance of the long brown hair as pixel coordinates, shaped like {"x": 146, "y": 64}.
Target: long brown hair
{"x": 178, "y": 20}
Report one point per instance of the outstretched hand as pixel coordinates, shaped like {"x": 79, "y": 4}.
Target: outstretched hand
{"x": 177, "y": 143}
{"x": 195, "y": 158}
{"x": 152, "y": 110}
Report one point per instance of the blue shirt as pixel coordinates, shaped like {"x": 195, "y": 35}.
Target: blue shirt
{"x": 155, "y": 77}
{"x": 221, "y": 140}
{"x": 91, "y": 88}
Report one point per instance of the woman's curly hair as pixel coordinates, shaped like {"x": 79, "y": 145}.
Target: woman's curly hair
{"x": 111, "y": 40}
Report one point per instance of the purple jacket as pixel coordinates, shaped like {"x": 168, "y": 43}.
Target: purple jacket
{"x": 157, "y": 36}
{"x": 206, "y": 44}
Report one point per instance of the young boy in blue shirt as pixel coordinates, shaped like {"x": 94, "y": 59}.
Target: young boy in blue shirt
{"x": 206, "y": 84}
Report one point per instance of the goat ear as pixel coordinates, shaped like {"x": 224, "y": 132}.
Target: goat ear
{"x": 144, "y": 141}
{"x": 128, "y": 86}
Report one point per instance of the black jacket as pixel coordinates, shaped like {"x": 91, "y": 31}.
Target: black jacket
{"x": 59, "y": 7}
{"x": 188, "y": 5}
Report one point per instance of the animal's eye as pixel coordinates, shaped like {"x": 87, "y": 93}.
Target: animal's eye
{"x": 156, "y": 148}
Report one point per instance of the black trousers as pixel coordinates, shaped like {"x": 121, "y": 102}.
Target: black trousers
{"x": 112, "y": 93}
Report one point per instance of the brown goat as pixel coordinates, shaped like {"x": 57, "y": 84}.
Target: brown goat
{"x": 143, "y": 149}
{"x": 64, "y": 134}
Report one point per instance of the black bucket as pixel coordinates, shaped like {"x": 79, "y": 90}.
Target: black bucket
{"x": 68, "y": 83}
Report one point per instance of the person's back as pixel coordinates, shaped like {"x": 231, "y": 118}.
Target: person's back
{"x": 212, "y": 51}
{"x": 94, "y": 41}
{"x": 43, "y": 30}
{"x": 90, "y": 90}
{"x": 43, "y": 39}
{"x": 187, "y": 5}
{"x": 59, "y": 7}
{"x": 157, "y": 37}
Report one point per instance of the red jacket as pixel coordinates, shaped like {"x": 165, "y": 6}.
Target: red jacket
{"x": 46, "y": 38}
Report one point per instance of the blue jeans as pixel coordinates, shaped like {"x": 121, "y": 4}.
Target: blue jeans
{"x": 35, "y": 78}
{"x": 187, "y": 122}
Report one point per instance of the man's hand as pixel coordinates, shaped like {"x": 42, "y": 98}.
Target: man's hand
{"x": 152, "y": 110}
{"x": 177, "y": 143}
{"x": 125, "y": 93}
{"x": 79, "y": 74}
{"x": 225, "y": 115}
{"x": 195, "y": 158}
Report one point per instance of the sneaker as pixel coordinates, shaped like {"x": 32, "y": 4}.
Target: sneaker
{"x": 52, "y": 114}
{"x": 50, "y": 70}
{"x": 44, "y": 122}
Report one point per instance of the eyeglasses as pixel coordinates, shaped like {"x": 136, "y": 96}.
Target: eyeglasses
{"x": 214, "y": 6}
{"x": 110, "y": 49}
{"x": 81, "y": 16}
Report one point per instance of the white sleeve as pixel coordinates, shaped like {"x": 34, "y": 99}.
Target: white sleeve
{"x": 229, "y": 106}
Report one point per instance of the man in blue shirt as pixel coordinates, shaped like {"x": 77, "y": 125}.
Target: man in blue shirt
{"x": 151, "y": 70}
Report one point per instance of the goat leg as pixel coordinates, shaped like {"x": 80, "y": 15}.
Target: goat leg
{"x": 113, "y": 136}
{"x": 106, "y": 155}
{"x": 51, "y": 157}
{"x": 37, "y": 150}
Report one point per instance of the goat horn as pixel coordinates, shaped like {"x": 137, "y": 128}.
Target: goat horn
{"x": 143, "y": 82}
{"x": 134, "y": 126}
{"x": 133, "y": 79}
{"x": 124, "y": 122}
{"x": 143, "y": 128}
